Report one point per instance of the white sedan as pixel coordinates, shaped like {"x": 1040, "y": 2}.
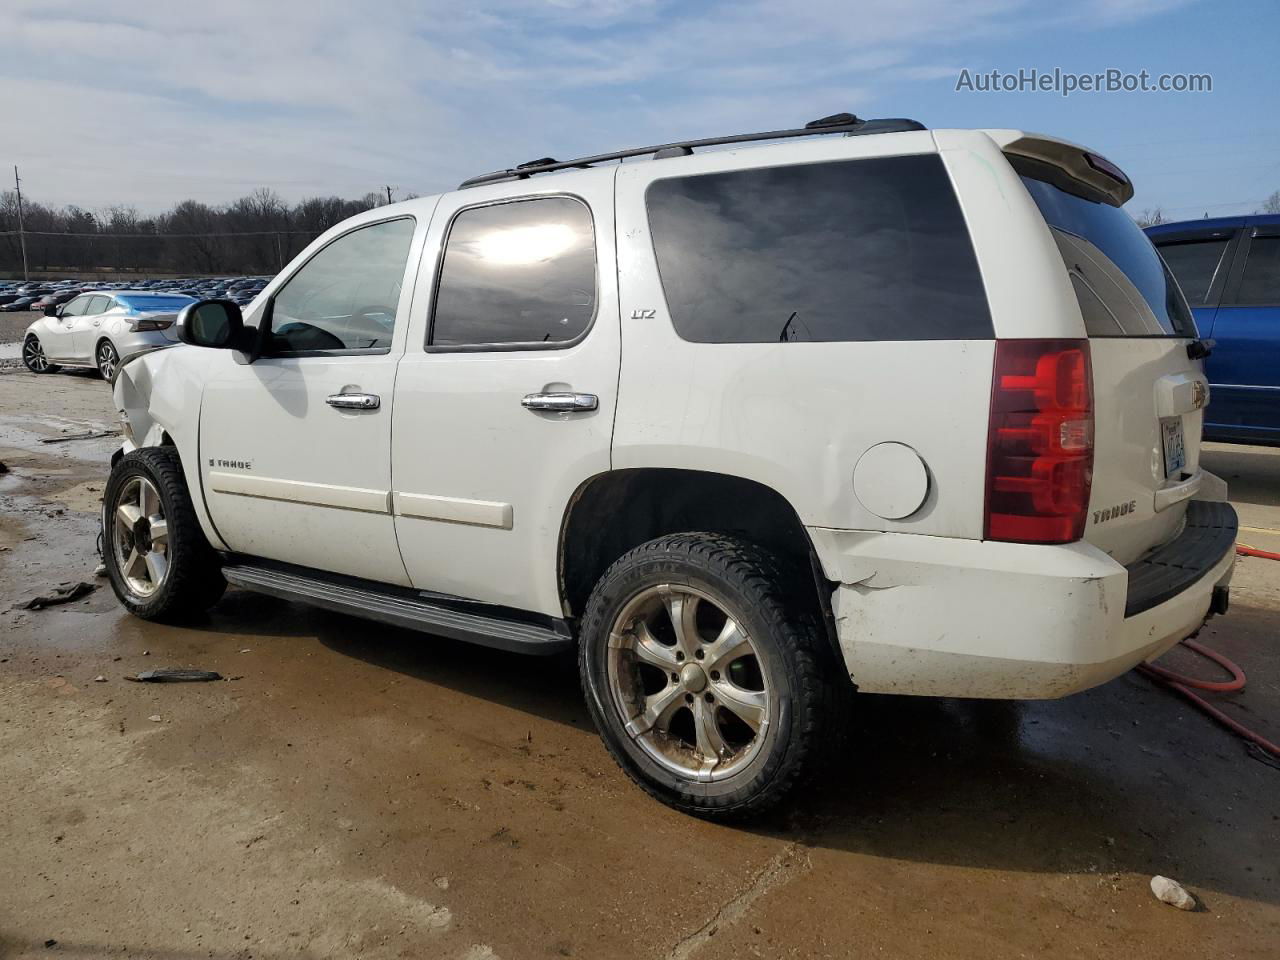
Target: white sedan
{"x": 97, "y": 328}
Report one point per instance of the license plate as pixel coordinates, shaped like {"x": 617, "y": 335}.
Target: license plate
{"x": 1175, "y": 452}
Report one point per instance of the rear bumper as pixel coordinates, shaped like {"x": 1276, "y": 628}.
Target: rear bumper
{"x": 936, "y": 616}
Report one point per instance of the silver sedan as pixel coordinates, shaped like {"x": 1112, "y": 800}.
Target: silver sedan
{"x": 97, "y": 328}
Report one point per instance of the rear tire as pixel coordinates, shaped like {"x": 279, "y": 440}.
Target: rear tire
{"x": 159, "y": 563}
{"x": 33, "y": 356}
{"x": 106, "y": 359}
{"x": 710, "y": 685}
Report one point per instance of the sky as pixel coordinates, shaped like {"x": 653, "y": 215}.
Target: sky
{"x": 149, "y": 102}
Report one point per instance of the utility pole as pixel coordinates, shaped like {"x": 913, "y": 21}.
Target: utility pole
{"x": 22, "y": 235}
{"x": 388, "y": 190}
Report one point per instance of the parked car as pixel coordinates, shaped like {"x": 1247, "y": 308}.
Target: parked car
{"x": 1229, "y": 269}
{"x": 97, "y": 329}
{"x": 13, "y": 306}
{"x": 912, "y": 410}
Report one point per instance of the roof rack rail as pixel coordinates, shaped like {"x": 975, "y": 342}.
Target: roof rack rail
{"x": 845, "y": 123}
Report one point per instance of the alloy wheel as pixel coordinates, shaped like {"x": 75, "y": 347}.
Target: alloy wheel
{"x": 106, "y": 360}
{"x": 33, "y": 355}
{"x": 689, "y": 683}
{"x": 141, "y": 537}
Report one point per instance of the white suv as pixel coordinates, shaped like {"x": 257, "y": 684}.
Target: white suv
{"x": 916, "y": 408}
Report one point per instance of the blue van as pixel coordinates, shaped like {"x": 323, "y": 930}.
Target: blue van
{"x": 1229, "y": 269}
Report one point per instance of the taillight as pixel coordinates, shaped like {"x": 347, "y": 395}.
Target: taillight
{"x": 142, "y": 325}
{"x": 1040, "y": 441}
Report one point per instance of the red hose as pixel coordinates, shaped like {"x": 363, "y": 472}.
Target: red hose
{"x": 1255, "y": 552}
{"x": 1182, "y": 685}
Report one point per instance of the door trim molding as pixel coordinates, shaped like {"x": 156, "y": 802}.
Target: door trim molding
{"x": 297, "y": 491}
{"x": 479, "y": 513}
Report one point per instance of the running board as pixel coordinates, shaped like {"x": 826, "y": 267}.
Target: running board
{"x": 401, "y": 607}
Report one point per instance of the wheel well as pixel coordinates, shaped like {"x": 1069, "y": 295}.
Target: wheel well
{"x": 615, "y": 512}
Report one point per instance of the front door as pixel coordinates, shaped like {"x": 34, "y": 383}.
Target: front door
{"x": 295, "y": 448}
{"x": 59, "y": 340}
{"x": 504, "y": 401}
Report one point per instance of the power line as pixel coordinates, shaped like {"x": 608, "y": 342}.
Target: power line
{"x": 158, "y": 236}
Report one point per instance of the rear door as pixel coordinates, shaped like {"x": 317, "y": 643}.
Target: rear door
{"x": 1245, "y": 365}
{"x": 1149, "y": 394}
{"x": 507, "y": 408}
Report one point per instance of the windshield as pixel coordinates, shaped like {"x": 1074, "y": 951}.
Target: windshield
{"x": 1124, "y": 287}
{"x": 152, "y": 302}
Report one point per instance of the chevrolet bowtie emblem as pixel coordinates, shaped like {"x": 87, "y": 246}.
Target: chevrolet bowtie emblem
{"x": 1200, "y": 391}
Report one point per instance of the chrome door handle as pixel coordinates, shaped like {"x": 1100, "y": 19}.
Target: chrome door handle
{"x": 354, "y": 401}
{"x": 561, "y": 402}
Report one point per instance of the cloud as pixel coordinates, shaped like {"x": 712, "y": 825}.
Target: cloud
{"x": 151, "y": 101}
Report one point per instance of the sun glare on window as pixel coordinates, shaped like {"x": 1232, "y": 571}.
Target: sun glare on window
{"x": 525, "y": 245}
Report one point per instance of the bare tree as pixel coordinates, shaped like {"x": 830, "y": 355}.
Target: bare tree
{"x": 1150, "y": 216}
{"x": 255, "y": 234}
{"x": 1271, "y": 204}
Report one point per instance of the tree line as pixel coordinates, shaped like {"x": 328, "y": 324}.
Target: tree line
{"x": 257, "y": 234}
{"x": 1151, "y": 216}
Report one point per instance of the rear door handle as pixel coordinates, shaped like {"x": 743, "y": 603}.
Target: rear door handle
{"x": 354, "y": 401}
{"x": 561, "y": 402}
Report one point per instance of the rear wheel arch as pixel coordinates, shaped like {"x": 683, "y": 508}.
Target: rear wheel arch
{"x": 614, "y": 512}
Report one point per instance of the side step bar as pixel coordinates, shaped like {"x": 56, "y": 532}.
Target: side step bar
{"x": 485, "y": 624}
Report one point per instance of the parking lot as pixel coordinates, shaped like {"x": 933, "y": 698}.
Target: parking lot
{"x": 356, "y": 790}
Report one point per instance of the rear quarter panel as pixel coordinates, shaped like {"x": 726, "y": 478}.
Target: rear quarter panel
{"x": 796, "y": 416}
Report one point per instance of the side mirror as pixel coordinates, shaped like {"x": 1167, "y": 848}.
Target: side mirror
{"x": 211, "y": 323}
{"x": 52, "y": 310}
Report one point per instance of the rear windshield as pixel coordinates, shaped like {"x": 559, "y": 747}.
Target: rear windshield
{"x": 150, "y": 302}
{"x": 872, "y": 249}
{"x": 1124, "y": 288}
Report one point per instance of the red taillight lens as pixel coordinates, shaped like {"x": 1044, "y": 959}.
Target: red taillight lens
{"x": 1040, "y": 442}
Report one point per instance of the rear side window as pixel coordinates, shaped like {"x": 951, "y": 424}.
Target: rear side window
{"x": 1194, "y": 264}
{"x": 1261, "y": 280}
{"x": 521, "y": 273}
{"x": 852, "y": 250}
{"x": 1124, "y": 288}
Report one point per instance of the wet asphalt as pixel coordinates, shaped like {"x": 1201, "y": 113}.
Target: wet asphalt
{"x": 355, "y": 790}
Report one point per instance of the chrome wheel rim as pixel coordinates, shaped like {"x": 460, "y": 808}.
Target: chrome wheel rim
{"x": 33, "y": 355}
{"x": 141, "y": 537}
{"x": 106, "y": 361}
{"x": 689, "y": 683}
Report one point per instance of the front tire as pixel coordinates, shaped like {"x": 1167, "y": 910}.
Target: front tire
{"x": 106, "y": 359}
{"x": 708, "y": 682}
{"x": 159, "y": 563}
{"x": 33, "y": 356}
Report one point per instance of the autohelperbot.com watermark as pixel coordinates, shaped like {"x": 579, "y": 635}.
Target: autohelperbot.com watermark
{"x": 1065, "y": 82}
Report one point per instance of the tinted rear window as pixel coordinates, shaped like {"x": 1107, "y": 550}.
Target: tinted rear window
{"x": 1108, "y": 257}
{"x": 852, "y": 250}
{"x": 155, "y": 302}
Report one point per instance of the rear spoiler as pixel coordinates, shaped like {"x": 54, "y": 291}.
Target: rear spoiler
{"x": 1070, "y": 166}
